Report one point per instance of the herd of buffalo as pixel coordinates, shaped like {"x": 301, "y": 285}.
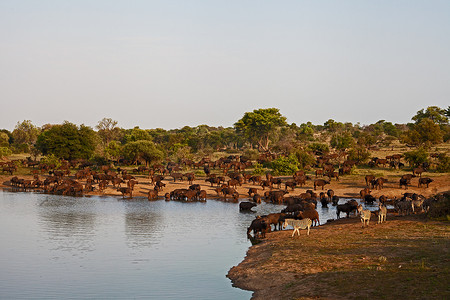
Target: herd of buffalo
{"x": 223, "y": 176}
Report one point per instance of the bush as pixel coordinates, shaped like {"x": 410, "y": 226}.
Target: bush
{"x": 443, "y": 163}
{"x": 5, "y": 151}
{"x": 305, "y": 159}
{"x": 51, "y": 160}
{"x": 318, "y": 148}
{"x": 359, "y": 154}
{"x": 251, "y": 154}
{"x": 416, "y": 157}
{"x": 258, "y": 169}
{"x": 285, "y": 165}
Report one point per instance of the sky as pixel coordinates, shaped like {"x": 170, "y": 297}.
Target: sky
{"x": 171, "y": 63}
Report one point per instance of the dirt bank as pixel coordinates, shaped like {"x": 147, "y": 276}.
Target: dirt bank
{"x": 406, "y": 257}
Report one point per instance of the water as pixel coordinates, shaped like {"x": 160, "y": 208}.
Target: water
{"x": 55, "y": 247}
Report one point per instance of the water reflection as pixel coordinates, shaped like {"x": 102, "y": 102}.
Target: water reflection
{"x": 69, "y": 223}
{"x": 143, "y": 226}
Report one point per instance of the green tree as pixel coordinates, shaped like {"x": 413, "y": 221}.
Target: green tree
{"x": 4, "y": 151}
{"x": 142, "y": 149}
{"x": 137, "y": 134}
{"x": 68, "y": 141}
{"x": 113, "y": 150}
{"x": 108, "y": 130}
{"x": 4, "y": 139}
{"x": 318, "y": 148}
{"x": 443, "y": 165}
{"x": 416, "y": 157}
{"x": 434, "y": 113}
{"x": 358, "y": 154}
{"x": 285, "y": 165}
{"x": 342, "y": 141}
{"x": 257, "y": 126}
{"x": 305, "y": 159}
{"x": 424, "y": 132}
{"x": 25, "y": 135}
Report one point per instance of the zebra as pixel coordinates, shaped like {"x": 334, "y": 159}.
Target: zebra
{"x": 298, "y": 224}
{"x": 364, "y": 214}
{"x": 382, "y": 213}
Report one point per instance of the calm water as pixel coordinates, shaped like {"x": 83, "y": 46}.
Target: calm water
{"x": 55, "y": 247}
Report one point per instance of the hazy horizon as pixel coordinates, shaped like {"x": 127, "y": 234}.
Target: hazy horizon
{"x": 169, "y": 64}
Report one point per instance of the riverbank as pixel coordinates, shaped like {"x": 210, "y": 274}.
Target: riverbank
{"x": 348, "y": 186}
{"x": 404, "y": 257}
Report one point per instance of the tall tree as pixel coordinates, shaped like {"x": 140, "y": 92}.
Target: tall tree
{"x": 142, "y": 149}
{"x": 258, "y": 125}
{"x": 108, "y": 130}
{"x": 25, "y": 135}
{"x": 68, "y": 141}
{"x": 434, "y": 113}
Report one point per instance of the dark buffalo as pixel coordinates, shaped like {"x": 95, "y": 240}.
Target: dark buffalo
{"x": 245, "y": 206}
{"x": 425, "y": 180}
{"x": 320, "y": 182}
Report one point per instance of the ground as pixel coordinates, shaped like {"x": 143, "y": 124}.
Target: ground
{"x": 403, "y": 258}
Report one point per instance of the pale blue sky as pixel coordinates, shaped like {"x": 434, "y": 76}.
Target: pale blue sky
{"x": 174, "y": 63}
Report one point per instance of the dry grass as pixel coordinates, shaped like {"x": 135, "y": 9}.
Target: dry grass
{"x": 405, "y": 257}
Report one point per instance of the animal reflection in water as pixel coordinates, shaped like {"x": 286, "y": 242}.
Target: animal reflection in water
{"x": 298, "y": 224}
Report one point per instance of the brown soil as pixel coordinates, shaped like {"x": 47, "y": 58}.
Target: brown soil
{"x": 404, "y": 258}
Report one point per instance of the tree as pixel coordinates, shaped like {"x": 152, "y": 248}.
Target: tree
{"x": 137, "y": 134}
{"x": 434, "y": 113}
{"x": 285, "y": 165}
{"x": 424, "y": 132}
{"x": 358, "y": 154}
{"x": 68, "y": 141}
{"x": 25, "y": 135}
{"x": 342, "y": 141}
{"x": 258, "y": 125}
{"x": 4, "y": 139}
{"x": 416, "y": 157}
{"x": 108, "y": 130}
{"x": 142, "y": 149}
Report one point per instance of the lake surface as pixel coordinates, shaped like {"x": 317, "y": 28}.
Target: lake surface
{"x": 55, "y": 247}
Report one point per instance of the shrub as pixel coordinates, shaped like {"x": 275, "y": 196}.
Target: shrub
{"x": 51, "y": 160}
{"x": 319, "y": 148}
{"x": 416, "y": 157}
{"x": 5, "y": 151}
{"x": 443, "y": 163}
{"x": 305, "y": 159}
{"x": 258, "y": 169}
{"x": 359, "y": 154}
{"x": 251, "y": 154}
{"x": 285, "y": 165}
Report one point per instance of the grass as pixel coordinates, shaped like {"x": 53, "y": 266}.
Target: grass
{"x": 405, "y": 257}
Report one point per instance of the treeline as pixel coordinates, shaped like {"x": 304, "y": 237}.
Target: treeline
{"x": 259, "y": 131}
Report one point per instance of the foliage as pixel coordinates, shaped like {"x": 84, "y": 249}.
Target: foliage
{"x": 251, "y": 154}
{"x": 434, "y": 113}
{"x": 342, "y": 141}
{"x": 416, "y": 157}
{"x": 424, "y": 132}
{"x": 359, "y": 154}
{"x": 25, "y": 135}
{"x": 304, "y": 158}
{"x": 443, "y": 165}
{"x": 137, "y": 134}
{"x": 51, "y": 160}
{"x": 257, "y": 126}
{"x": 180, "y": 152}
{"x": 108, "y": 130}
{"x": 68, "y": 141}
{"x": 318, "y": 148}
{"x": 258, "y": 169}
{"x": 4, "y": 139}
{"x": 113, "y": 150}
{"x": 5, "y": 151}
{"x": 285, "y": 165}
{"x": 333, "y": 126}
{"x": 142, "y": 149}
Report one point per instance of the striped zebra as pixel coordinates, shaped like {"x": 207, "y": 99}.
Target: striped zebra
{"x": 364, "y": 214}
{"x": 298, "y": 224}
{"x": 382, "y": 213}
